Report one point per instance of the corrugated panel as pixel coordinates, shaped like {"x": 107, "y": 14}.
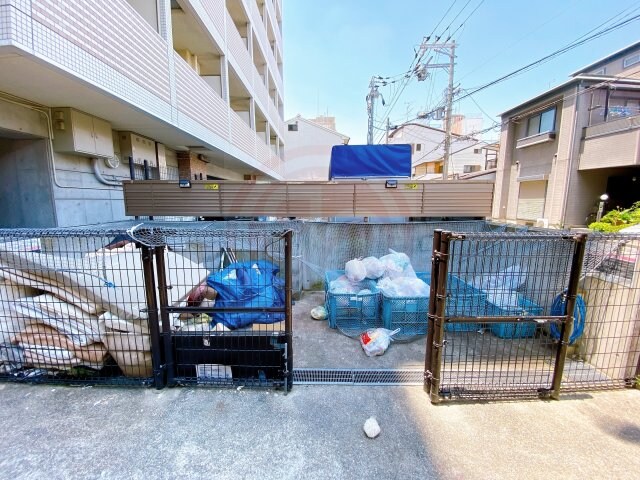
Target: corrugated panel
{"x": 614, "y": 150}
{"x": 241, "y": 134}
{"x": 239, "y": 51}
{"x": 216, "y": 10}
{"x": 531, "y": 200}
{"x": 199, "y": 101}
{"x": 313, "y": 199}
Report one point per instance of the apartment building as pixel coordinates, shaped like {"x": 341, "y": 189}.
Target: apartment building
{"x": 191, "y": 88}
{"x": 561, "y": 150}
{"x": 427, "y": 151}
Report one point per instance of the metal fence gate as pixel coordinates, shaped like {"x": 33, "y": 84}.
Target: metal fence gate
{"x": 244, "y": 338}
{"x": 501, "y": 313}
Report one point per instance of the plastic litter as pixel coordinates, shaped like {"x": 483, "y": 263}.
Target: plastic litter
{"x": 319, "y": 313}
{"x": 501, "y": 288}
{"x": 355, "y": 270}
{"x": 343, "y": 285}
{"x": 371, "y": 427}
{"x": 374, "y": 267}
{"x": 376, "y": 341}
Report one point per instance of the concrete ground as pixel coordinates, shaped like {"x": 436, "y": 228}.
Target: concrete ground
{"x": 313, "y": 432}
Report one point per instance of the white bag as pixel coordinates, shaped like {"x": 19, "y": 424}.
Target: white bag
{"x": 374, "y": 267}
{"x": 355, "y": 270}
{"x": 375, "y": 342}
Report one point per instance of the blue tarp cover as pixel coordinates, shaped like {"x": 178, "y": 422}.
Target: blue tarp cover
{"x": 370, "y": 161}
{"x": 247, "y": 285}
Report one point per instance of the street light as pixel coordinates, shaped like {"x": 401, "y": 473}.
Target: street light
{"x": 603, "y": 198}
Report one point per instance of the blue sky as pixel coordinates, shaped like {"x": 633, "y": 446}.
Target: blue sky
{"x": 333, "y": 47}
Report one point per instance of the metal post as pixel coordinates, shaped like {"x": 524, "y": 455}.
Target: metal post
{"x": 371, "y": 102}
{"x": 152, "y": 316}
{"x": 132, "y": 169}
{"x": 288, "y": 319}
{"x": 441, "y": 256}
{"x": 447, "y": 137}
{"x": 570, "y": 305}
{"x": 164, "y": 314}
{"x": 432, "y": 312}
{"x": 147, "y": 173}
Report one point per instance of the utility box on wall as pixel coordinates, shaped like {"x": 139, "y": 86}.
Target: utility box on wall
{"x": 81, "y": 134}
{"x": 139, "y": 148}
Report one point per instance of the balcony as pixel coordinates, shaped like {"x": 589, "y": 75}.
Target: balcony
{"x": 614, "y": 143}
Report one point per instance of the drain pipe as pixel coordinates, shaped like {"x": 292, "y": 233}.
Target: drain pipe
{"x": 100, "y": 177}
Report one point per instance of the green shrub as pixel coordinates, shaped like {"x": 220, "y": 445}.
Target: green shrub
{"x": 616, "y": 220}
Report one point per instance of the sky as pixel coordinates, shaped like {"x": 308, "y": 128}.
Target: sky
{"x": 332, "y": 48}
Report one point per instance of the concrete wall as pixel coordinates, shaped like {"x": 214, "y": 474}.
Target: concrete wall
{"x": 25, "y": 189}
{"x": 82, "y": 199}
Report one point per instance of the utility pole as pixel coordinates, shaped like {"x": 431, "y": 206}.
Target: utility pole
{"x": 387, "y": 131}
{"x": 447, "y": 122}
{"x": 371, "y": 102}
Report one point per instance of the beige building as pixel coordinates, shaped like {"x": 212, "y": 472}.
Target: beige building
{"x": 308, "y": 149}
{"x": 561, "y": 150}
{"x": 194, "y": 87}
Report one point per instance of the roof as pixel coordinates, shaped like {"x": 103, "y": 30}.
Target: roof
{"x": 559, "y": 88}
{"x": 481, "y": 173}
{"x": 317, "y": 125}
{"x": 608, "y": 58}
{"x": 423, "y": 126}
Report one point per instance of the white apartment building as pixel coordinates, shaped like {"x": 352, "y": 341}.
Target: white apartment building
{"x": 192, "y": 87}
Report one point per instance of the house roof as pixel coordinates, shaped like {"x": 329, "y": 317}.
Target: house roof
{"x": 481, "y": 173}
{"x": 608, "y": 58}
{"x": 317, "y": 125}
{"x": 563, "y": 86}
{"x": 423, "y": 126}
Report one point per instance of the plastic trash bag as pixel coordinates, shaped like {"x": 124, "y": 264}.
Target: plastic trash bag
{"x": 342, "y": 285}
{"x": 374, "y": 267}
{"x": 375, "y": 342}
{"x": 403, "y": 287}
{"x": 319, "y": 313}
{"x": 397, "y": 264}
{"x": 355, "y": 270}
{"x": 501, "y": 288}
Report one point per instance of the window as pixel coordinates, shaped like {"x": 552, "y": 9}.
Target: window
{"x": 542, "y": 122}
{"x": 477, "y": 150}
{"x": 600, "y": 71}
{"x": 293, "y": 127}
{"x": 418, "y": 147}
{"x": 631, "y": 60}
{"x": 471, "y": 168}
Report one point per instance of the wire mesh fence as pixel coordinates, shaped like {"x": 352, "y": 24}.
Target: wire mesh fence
{"x": 234, "y": 326}
{"x": 73, "y": 308}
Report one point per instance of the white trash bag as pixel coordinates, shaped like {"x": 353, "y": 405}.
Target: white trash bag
{"x": 355, "y": 270}
{"x": 375, "y": 342}
{"x": 397, "y": 264}
{"x": 374, "y": 267}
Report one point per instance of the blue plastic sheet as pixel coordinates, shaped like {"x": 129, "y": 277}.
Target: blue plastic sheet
{"x": 247, "y": 285}
{"x": 370, "y": 161}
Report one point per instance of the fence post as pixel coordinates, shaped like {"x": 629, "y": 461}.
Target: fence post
{"x": 288, "y": 322}
{"x": 428, "y": 373}
{"x": 164, "y": 315}
{"x": 570, "y": 305}
{"x": 441, "y": 256}
{"x": 152, "y": 316}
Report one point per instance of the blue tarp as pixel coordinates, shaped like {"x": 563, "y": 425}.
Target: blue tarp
{"x": 247, "y": 285}
{"x": 370, "y": 161}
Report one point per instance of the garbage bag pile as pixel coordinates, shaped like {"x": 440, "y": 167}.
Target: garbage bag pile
{"x": 393, "y": 273}
{"x": 502, "y": 288}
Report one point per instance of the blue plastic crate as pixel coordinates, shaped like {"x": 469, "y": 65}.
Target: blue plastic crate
{"x": 464, "y": 300}
{"x": 409, "y": 314}
{"x": 351, "y": 313}
{"x": 526, "y": 308}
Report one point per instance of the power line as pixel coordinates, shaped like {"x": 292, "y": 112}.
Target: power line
{"x": 465, "y": 20}
{"x": 454, "y": 19}
{"x": 546, "y": 58}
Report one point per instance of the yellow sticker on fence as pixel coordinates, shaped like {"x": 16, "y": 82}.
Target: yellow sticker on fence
{"x": 211, "y": 186}
{"x": 411, "y": 186}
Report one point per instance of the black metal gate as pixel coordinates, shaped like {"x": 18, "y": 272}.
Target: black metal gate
{"x": 500, "y": 314}
{"x": 245, "y": 337}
